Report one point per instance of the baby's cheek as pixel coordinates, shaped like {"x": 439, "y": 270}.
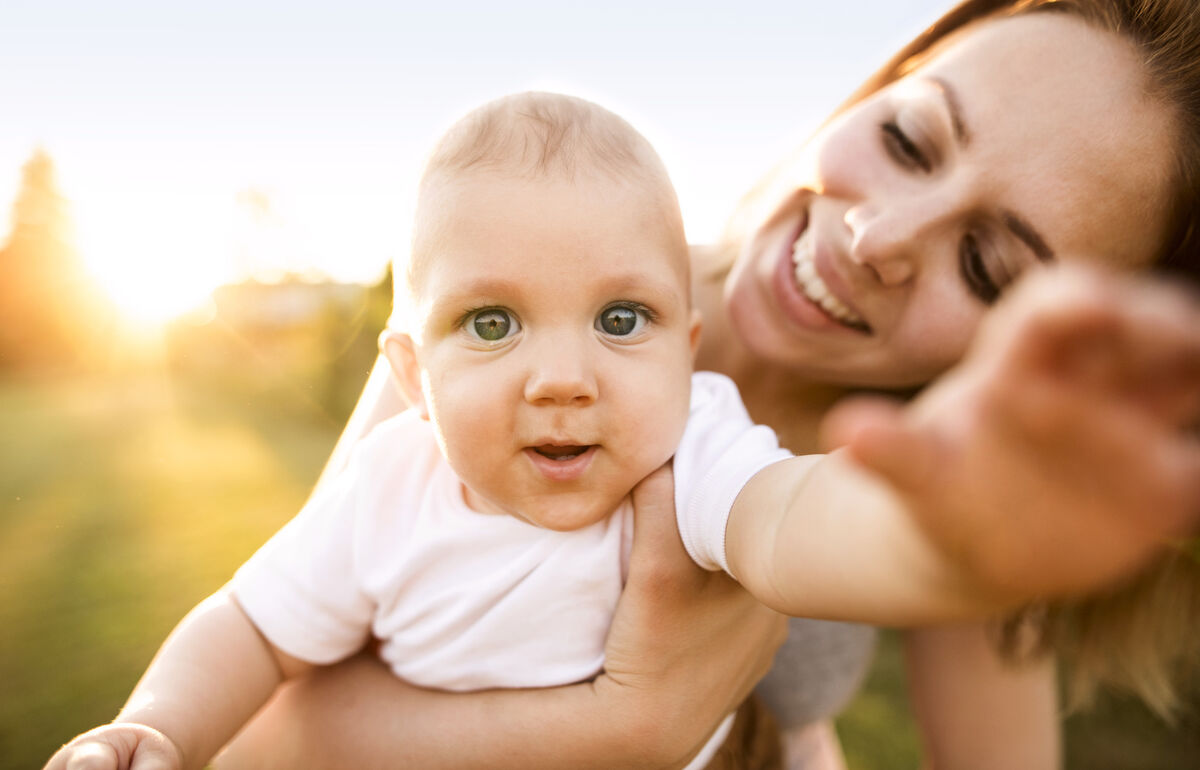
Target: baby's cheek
{"x": 660, "y": 419}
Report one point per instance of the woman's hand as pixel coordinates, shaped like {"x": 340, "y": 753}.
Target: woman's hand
{"x": 1055, "y": 458}
{"x": 686, "y": 647}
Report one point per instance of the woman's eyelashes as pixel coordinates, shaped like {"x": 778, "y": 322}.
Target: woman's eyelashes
{"x": 490, "y": 324}
{"x": 974, "y": 269}
{"x": 902, "y": 148}
{"x": 973, "y": 264}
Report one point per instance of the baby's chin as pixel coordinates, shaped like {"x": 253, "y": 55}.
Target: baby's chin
{"x": 570, "y": 511}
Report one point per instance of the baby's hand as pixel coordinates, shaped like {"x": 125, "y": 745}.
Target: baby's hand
{"x": 1056, "y": 458}
{"x": 120, "y": 746}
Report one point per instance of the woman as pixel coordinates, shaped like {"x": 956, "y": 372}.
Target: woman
{"x": 987, "y": 146}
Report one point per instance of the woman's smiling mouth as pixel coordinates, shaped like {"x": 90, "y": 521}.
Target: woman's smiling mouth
{"x": 813, "y": 286}
{"x": 803, "y": 294}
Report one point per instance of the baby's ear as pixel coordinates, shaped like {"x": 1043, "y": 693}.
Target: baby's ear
{"x": 401, "y": 352}
{"x": 694, "y": 324}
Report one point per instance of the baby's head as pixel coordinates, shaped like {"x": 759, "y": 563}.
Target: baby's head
{"x": 546, "y": 328}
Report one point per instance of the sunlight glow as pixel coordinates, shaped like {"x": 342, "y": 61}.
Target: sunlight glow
{"x": 159, "y": 267}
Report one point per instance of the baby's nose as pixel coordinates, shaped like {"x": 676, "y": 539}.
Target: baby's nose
{"x": 562, "y": 376}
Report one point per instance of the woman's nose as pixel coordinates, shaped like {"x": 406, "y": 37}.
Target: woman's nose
{"x": 884, "y": 242}
{"x": 561, "y": 374}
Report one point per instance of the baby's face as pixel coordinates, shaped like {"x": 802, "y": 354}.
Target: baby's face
{"x": 556, "y": 343}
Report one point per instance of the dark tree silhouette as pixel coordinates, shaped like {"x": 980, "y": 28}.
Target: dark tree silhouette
{"x": 49, "y": 310}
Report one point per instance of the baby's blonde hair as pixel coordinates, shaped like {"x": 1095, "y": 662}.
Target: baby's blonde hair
{"x": 535, "y": 135}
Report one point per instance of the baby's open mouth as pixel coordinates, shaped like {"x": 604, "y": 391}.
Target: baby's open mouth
{"x": 561, "y": 453}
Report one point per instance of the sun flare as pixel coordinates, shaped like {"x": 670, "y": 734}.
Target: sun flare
{"x": 157, "y": 268}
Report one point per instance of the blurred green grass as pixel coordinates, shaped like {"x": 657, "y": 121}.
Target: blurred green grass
{"x": 126, "y": 499}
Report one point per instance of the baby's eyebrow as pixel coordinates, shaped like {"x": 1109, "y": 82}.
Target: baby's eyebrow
{"x": 475, "y": 291}
{"x": 640, "y": 283}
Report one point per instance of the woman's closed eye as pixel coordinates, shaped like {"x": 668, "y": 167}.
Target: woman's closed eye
{"x": 623, "y": 320}
{"x": 978, "y": 272}
{"x": 975, "y": 270}
{"x": 902, "y": 148}
{"x": 492, "y": 324}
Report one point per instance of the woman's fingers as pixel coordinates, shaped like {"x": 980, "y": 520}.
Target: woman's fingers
{"x": 658, "y": 555}
{"x": 693, "y": 640}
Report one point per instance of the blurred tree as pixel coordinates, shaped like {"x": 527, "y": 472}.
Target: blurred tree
{"x": 50, "y": 312}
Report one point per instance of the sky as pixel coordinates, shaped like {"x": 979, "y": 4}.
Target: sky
{"x": 199, "y": 143}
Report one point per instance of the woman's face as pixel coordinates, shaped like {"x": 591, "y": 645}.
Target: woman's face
{"x": 1020, "y": 142}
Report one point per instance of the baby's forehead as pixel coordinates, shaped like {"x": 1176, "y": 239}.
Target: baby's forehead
{"x": 494, "y": 210}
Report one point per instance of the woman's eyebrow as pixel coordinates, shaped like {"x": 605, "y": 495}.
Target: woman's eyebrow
{"x": 1013, "y": 221}
{"x": 961, "y": 134}
{"x": 1028, "y": 235}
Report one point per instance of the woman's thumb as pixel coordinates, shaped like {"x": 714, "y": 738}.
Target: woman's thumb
{"x": 656, "y": 544}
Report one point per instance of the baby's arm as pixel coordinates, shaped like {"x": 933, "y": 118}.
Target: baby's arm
{"x": 210, "y": 676}
{"x": 816, "y": 536}
{"x": 1052, "y": 461}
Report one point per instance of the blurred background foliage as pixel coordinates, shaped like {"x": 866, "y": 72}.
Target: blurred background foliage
{"x": 141, "y": 466}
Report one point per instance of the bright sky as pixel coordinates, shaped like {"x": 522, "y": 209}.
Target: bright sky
{"x": 199, "y": 142}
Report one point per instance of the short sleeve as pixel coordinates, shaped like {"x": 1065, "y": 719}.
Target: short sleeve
{"x": 721, "y": 450}
{"x": 301, "y": 588}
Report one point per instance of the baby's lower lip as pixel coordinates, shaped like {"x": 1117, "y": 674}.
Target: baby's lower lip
{"x": 561, "y": 463}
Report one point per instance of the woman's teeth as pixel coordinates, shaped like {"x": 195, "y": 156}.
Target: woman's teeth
{"x": 815, "y": 289}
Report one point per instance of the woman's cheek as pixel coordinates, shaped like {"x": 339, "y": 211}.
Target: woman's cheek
{"x": 941, "y": 335}
{"x": 844, "y": 159}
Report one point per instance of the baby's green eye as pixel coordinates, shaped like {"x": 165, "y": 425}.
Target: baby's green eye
{"x": 620, "y": 320}
{"x": 492, "y": 325}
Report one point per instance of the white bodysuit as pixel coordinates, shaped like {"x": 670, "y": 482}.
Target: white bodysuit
{"x": 467, "y": 601}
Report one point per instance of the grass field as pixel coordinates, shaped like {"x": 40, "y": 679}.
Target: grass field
{"x": 123, "y": 501}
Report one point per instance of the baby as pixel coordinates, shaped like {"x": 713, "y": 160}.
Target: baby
{"x": 543, "y": 337}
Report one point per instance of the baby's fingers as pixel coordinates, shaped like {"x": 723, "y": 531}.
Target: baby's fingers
{"x": 154, "y": 759}
{"x": 118, "y": 747}
{"x": 1136, "y": 339}
{"x": 91, "y": 755}
{"x": 880, "y": 439}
